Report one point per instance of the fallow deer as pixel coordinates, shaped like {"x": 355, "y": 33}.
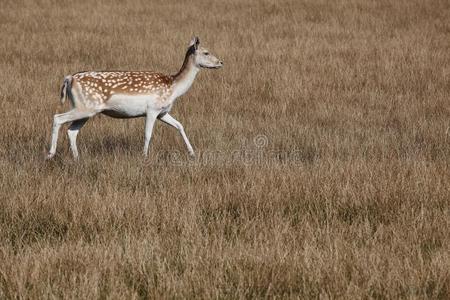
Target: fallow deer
{"x": 129, "y": 95}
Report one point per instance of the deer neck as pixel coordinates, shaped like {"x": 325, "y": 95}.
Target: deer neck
{"x": 183, "y": 80}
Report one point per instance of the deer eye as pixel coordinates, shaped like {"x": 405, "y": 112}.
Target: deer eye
{"x": 206, "y": 53}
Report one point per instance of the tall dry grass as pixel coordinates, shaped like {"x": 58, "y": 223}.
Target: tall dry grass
{"x": 323, "y": 144}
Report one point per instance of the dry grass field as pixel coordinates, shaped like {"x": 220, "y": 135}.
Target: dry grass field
{"x": 323, "y": 166}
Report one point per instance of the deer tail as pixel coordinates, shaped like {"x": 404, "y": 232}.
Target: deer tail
{"x": 66, "y": 88}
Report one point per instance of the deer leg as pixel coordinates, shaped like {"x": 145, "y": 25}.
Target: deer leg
{"x": 149, "y": 122}
{"x": 60, "y": 119}
{"x": 72, "y": 132}
{"x": 168, "y": 119}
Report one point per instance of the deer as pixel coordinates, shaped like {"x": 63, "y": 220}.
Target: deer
{"x": 129, "y": 94}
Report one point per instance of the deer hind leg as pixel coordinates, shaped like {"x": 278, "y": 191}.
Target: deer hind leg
{"x": 60, "y": 119}
{"x": 72, "y": 132}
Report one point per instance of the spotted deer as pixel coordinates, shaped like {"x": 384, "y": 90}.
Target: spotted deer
{"x": 129, "y": 95}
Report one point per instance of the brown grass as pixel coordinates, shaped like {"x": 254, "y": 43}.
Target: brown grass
{"x": 347, "y": 196}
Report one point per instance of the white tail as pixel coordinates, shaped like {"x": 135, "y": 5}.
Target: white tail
{"x": 65, "y": 89}
{"x": 129, "y": 95}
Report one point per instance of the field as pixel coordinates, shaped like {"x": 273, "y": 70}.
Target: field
{"x": 323, "y": 153}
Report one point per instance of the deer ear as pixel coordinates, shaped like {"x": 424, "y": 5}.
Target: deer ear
{"x": 194, "y": 42}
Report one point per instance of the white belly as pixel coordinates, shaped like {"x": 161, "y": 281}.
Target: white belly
{"x": 125, "y": 106}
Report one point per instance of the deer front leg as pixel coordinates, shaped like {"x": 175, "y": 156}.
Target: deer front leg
{"x": 168, "y": 119}
{"x": 149, "y": 122}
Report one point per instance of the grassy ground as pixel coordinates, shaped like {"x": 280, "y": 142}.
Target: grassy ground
{"x": 324, "y": 153}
